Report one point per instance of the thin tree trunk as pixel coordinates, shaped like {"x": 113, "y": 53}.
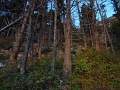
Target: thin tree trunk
{"x": 84, "y": 37}
{"x": 41, "y": 36}
{"x": 93, "y": 23}
{"x": 50, "y": 38}
{"x": 18, "y": 37}
{"x": 55, "y": 40}
{"x": 25, "y": 55}
{"x": 97, "y": 44}
{"x": 105, "y": 37}
{"x": 95, "y": 29}
{"x": 32, "y": 39}
{"x": 43, "y": 39}
{"x": 40, "y": 41}
{"x": 108, "y": 35}
{"x": 33, "y": 49}
{"x": 67, "y": 66}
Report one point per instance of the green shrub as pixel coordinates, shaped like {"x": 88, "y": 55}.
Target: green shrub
{"x": 95, "y": 71}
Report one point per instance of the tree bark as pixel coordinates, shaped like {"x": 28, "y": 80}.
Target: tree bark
{"x": 93, "y": 23}
{"x": 32, "y": 39}
{"x": 25, "y": 55}
{"x": 97, "y": 41}
{"x": 67, "y": 66}
{"x": 55, "y": 39}
{"x": 41, "y": 36}
{"x": 18, "y": 37}
{"x": 81, "y": 23}
{"x": 40, "y": 41}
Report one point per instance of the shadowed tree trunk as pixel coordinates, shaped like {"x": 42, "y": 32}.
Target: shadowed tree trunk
{"x": 84, "y": 37}
{"x": 41, "y": 35}
{"x": 40, "y": 41}
{"x": 93, "y": 23}
{"x": 18, "y": 37}
{"x": 97, "y": 41}
{"x": 32, "y": 38}
{"x": 50, "y": 30}
{"x": 55, "y": 41}
{"x": 25, "y": 55}
{"x": 67, "y": 55}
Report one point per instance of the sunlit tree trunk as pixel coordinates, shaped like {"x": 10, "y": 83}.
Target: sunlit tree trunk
{"x": 67, "y": 66}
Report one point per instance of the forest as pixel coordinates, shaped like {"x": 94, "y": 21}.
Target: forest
{"x": 43, "y": 47}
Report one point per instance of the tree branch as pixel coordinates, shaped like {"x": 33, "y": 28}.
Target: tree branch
{"x": 2, "y": 29}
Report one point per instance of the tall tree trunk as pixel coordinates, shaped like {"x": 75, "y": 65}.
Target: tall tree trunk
{"x": 18, "y": 37}
{"x": 55, "y": 41}
{"x": 25, "y": 55}
{"x": 40, "y": 41}
{"x": 67, "y": 66}
{"x": 41, "y": 36}
{"x": 93, "y": 23}
{"x": 50, "y": 38}
{"x": 95, "y": 31}
{"x": 80, "y": 19}
{"x": 105, "y": 28}
{"x": 33, "y": 47}
{"x": 32, "y": 39}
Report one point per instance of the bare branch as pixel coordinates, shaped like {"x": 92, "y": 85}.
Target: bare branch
{"x": 11, "y": 23}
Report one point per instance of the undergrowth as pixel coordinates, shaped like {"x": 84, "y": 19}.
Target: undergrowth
{"x": 91, "y": 71}
{"x": 95, "y": 71}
